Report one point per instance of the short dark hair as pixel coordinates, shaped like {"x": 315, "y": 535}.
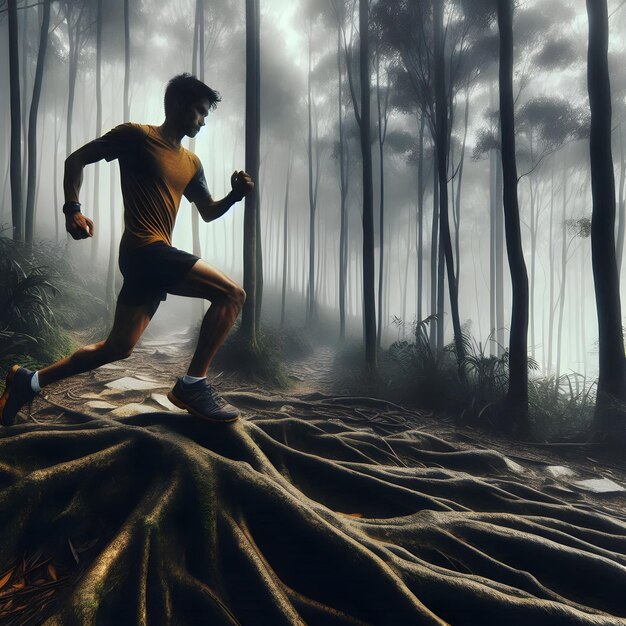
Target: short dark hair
{"x": 185, "y": 88}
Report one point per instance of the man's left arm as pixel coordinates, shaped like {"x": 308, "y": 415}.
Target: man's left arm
{"x": 198, "y": 192}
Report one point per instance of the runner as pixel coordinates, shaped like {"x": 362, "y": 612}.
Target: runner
{"x": 156, "y": 171}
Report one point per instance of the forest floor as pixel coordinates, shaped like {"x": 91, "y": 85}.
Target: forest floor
{"x": 316, "y": 507}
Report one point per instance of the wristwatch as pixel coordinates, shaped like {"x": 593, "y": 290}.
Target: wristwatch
{"x": 70, "y": 208}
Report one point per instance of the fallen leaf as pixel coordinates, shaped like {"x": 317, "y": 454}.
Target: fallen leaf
{"x": 5, "y": 579}
{"x": 52, "y": 572}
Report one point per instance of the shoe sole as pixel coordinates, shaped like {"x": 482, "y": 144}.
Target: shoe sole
{"x": 181, "y": 405}
{"x": 7, "y": 390}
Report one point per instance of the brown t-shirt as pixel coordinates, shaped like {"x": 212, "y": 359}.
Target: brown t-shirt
{"x": 154, "y": 176}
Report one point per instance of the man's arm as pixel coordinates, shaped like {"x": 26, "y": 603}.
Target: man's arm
{"x": 76, "y": 224}
{"x": 210, "y": 209}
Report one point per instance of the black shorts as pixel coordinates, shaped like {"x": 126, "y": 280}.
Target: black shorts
{"x": 151, "y": 271}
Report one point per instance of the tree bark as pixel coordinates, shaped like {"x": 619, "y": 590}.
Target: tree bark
{"x": 343, "y": 190}
{"x": 126, "y": 61}
{"x": 441, "y": 126}
{"x": 605, "y": 275}
{"x": 16, "y": 131}
{"x": 96, "y": 176}
{"x": 420, "y": 219}
{"x": 32, "y": 123}
{"x": 248, "y": 317}
{"x": 369, "y": 303}
{"x": 285, "y": 242}
{"x": 517, "y": 396}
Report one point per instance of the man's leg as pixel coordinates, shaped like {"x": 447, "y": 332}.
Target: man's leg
{"x": 128, "y": 326}
{"x": 226, "y": 297}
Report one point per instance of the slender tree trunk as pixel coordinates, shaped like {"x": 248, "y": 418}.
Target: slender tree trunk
{"x": 605, "y": 275}
{"x": 551, "y": 307}
{"x": 534, "y": 218}
{"x": 126, "y": 61}
{"x": 517, "y": 395}
{"x": 559, "y": 332}
{"x": 258, "y": 297}
{"x": 285, "y": 242}
{"x": 434, "y": 249}
{"x": 457, "y": 206}
{"x": 32, "y": 123}
{"x": 16, "y": 131}
{"x": 442, "y": 159}
{"x": 420, "y": 219}
{"x": 24, "y": 103}
{"x": 493, "y": 349}
{"x": 55, "y": 176}
{"x": 369, "y": 305}
{"x": 622, "y": 210}
{"x": 96, "y": 179}
{"x": 382, "y": 133}
{"x": 248, "y": 318}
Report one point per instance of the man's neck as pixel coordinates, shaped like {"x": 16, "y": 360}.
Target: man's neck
{"x": 171, "y": 133}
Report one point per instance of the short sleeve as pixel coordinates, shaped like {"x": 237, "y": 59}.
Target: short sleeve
{"x": 197, "y": 189}
{"x": 120, "y": 140}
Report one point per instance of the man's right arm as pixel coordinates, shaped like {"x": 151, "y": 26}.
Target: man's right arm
{"x": 76, "y": 224}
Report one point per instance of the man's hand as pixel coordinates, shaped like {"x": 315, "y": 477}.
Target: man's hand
{"x": 79, "y": 226}
{"x": 241, "y": 183}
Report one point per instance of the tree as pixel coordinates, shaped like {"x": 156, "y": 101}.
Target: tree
{"x": 248, "y": 317}
{"x": 442, "y": 145}
{"x": 32, "y": 123}
{"x": 517, "y": 395}
{"x": 369, "y": 306}
{"x": 603, "y": 258}
{"x": 16, "y": 131}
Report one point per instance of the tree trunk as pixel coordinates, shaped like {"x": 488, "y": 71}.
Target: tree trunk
{"x": 611, "y": 341}
{"x": 32, "y": 123}
{"x": 382, "y": 133}
{"x": 126, "y": 61}
{"x": 285, "y": 242}
{"x": 16, "y": 131}
{"x": 343, "y": 189}
{"x": 457, "y": 206}
{"x": 258, "y": 295}
{"x": 369, "y": 304}
{"x": 559, "y": 332}
{"x": 442, "y": 160}
{"x": 96, "y": 184}
{"x": 551, "y": 307}
{"x": 420, "y": 219}
{"x": 248, "y": 317}
{"x": 622, "y": 210}
{"x": 434, "y": 248}
{"x": 493, "y": 346}
{"x": 517, "y": 396}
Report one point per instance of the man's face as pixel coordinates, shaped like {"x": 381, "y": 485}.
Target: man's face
{"x": 192, "y": 117}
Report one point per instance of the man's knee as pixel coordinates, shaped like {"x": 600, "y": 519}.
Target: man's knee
{"x": 117, "y": 350}
{"x": 236, "y": 296}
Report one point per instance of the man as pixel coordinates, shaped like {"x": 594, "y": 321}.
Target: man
{"x": 156, "y": 171}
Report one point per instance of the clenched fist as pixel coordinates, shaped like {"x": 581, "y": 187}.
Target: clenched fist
{"x": 241, "y": 183}
{"x": 79, "y": 226}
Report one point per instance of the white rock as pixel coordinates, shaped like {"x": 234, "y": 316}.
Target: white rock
{"x": 599, "y": 485}
{"x": 100, "y": 405}
{"x": 162, "y": 400}
{"x": 131, "y": 409}
{"x": 128, "y": 383}
{"x": 560, "y": 471}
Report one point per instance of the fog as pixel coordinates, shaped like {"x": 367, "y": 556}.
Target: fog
{"x": 552, "y": 146}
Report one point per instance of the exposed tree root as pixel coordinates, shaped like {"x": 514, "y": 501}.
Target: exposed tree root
{"x": 307, "y": 512}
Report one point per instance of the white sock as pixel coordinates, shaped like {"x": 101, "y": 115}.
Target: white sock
{"x": 188, "y": 380}
{"x": 34, "y": 383}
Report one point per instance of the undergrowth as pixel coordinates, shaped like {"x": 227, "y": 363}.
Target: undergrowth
{"x": 416, "y": 373}
{"x": 42, "y": 298}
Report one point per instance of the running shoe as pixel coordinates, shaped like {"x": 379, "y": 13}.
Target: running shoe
{"x": 201, "y": 399}
{"x": 16, "y": 394}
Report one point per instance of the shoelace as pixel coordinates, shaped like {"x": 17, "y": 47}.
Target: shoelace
{"x": 216, "y": 397}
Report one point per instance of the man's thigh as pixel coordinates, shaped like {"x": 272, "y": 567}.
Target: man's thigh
{"x": 205, "y": 281}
